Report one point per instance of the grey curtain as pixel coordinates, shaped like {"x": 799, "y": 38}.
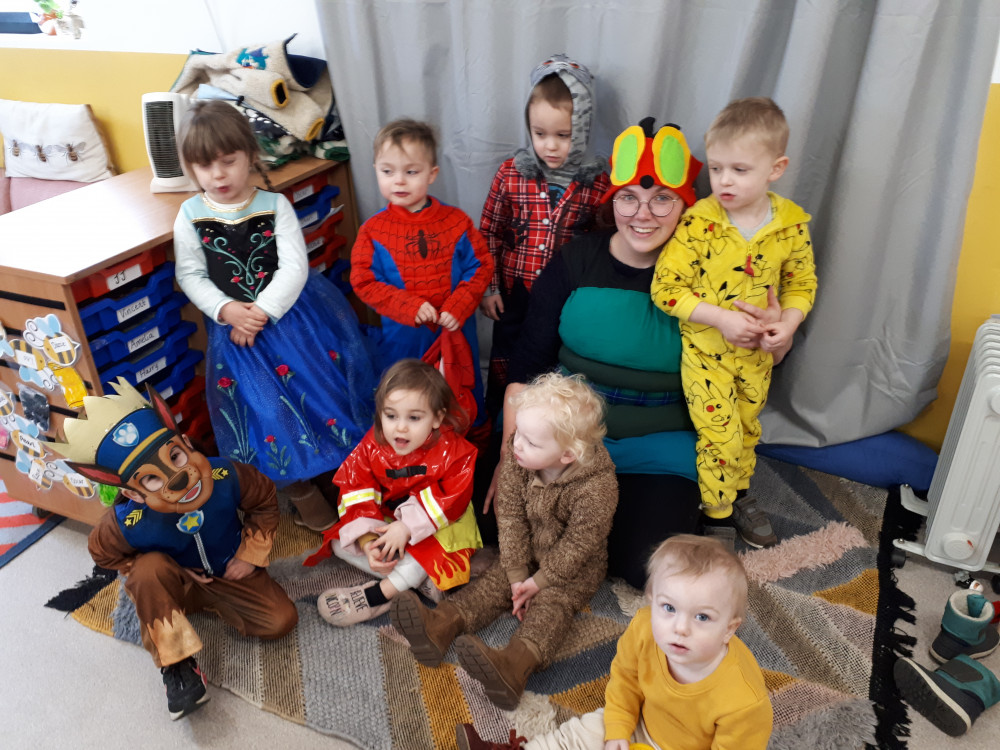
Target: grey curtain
{"x": 885, "y": 99}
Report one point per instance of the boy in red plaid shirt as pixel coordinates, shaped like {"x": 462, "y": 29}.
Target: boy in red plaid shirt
{"x": 539, "y": 200}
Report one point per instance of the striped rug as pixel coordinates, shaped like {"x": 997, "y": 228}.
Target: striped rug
{"x": 820, "y": 622}
{"x": 20, "y": 527}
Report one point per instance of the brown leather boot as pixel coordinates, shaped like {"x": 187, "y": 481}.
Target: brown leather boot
{"x": 503, "y": 672}
{"x": 314, "y": 512}
{"x": 429, "y": 631}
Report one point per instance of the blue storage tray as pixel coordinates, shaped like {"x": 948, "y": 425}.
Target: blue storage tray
{"x": 109, "y": 312}
{"x": 152, "y": 359}
{"x": 336, "y": 274}
{"x": 317, "y": 208}
{"x": 115, "y": 346}
{"x": 176, "y": 378}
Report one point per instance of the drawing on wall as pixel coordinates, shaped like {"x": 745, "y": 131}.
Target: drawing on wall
{"x": 59, "y": 18}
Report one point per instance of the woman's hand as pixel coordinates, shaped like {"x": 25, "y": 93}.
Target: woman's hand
{"x": 392, "y": 540}
{"x": 491, "y": 493}
{"x": 491, "y": 306}
{"x": 449, "y": 321}
{"x": 426, "y": 314}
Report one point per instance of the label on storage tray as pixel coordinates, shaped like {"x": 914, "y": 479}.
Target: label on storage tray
{"x": 143, "y": 338}
{"x": 318, "y": 242}
{"x": 152, "y": 369}
{"x": 309, "y": 218}
{"x": 303, "y": 192}
{"x": 130, "y": 311}
{"x": 124, "y": 276}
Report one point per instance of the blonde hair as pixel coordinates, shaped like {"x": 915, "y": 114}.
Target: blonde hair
{"x": 416, "y": 375}
{"x": 696, "y": 556}
{"x": 575, "y": 411}
{"x": 212, "y": 128}
{"x": 553, "y": 91}
{"x": 756, "y": 116}
{"x": 406, "y": 130}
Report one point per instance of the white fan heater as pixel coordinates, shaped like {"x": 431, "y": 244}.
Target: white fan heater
{"x": 161, "y": 117}
{"x": 963, "y": 502}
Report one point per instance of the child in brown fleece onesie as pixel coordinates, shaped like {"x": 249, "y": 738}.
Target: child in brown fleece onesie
{"x": 556, "y": 498}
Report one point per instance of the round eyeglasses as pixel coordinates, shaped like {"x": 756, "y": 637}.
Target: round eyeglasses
{"x": 660, "y": 205}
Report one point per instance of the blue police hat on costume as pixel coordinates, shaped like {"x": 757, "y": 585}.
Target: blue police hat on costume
{"x": 127, "y": 444}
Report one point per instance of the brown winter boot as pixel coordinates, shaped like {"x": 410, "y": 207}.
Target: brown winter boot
{"x": 314, "y": 512}
{"x": 468, "y": 738}
{"x": 503, "y": 672}
{"x": 429, "y": 631}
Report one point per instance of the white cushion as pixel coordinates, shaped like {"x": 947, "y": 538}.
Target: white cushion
{"x": 52, "y": 142}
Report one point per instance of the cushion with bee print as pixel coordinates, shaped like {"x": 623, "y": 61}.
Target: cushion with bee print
{"x": 53, "y": 142}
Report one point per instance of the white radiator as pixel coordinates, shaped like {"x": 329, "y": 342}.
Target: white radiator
{"x": 963, "y": 502}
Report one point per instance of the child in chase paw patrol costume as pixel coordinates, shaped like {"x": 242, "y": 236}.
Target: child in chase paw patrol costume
{"x": 177, "y": 534}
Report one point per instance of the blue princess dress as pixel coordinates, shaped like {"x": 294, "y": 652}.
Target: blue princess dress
{"x": 297, "y": 402}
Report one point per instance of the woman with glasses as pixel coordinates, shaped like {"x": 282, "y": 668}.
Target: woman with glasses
{"x": 591, "y": 313}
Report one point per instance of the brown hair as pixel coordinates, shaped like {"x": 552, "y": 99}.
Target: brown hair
{"x": 574, "y": 410}
{"x": 415, "y": 375}
{"x": 407, "y": 131}
{"x": 756, "y": 116}
{"x": 696, "y": 556}
{"x": 212, "y": 128}
{"x": 553, "y": 91}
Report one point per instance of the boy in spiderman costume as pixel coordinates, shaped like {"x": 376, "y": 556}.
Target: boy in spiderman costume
{"x": 188, "y": 533}
{"x": 418, "y": 263}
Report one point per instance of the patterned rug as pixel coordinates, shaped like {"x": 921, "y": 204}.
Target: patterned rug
{"x": 20, "y": 527}
{"x": 822, "y": 608}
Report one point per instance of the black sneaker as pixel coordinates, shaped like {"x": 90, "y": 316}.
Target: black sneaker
{"x": 185, "y": 685}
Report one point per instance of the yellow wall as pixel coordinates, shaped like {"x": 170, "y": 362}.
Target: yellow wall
{"x": 977, "y": 289}
{"x": 112, "y": 83}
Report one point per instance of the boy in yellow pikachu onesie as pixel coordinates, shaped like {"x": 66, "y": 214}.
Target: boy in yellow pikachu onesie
{"x": 739, "y": 274}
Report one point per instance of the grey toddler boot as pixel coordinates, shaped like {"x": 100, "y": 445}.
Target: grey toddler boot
{"x": 951, "y": 697}
{"x": 965, "y": 628}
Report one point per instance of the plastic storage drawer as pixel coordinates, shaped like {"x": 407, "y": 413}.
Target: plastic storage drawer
{"x": 180, "y": 373}
{"x": 115, "y": 346}
{"x": 110, "y": 312}
{"x": 152, "y": 359}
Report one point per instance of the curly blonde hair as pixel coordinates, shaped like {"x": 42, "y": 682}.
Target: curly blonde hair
{"x": 575, "y": 411}
{"x": 696, "y": 556}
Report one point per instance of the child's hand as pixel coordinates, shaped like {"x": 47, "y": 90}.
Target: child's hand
{"x": 616, "y": 745}
{"x": 740, "y": 329}
{"x": 426, "y": 314}
{"x": 245, "y": 317}
{"x": 778, "y": 337}
{"x": 393, "y": 540}
{"x": 522, "y": 593}
{"x": 198, "y": 576}
{"x": 237, "y": 569}
{"x": 449, "y": 321}
{"x": 239, "y": 338}
{"x": 374, "y": 556}
{"x": 492, "y": 306}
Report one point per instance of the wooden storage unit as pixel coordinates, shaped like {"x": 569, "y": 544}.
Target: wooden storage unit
{"x": 60, "y": 254}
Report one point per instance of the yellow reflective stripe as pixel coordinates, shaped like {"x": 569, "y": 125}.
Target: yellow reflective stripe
{"x": 433, "y": 509}
{"x": 358, "y": 496}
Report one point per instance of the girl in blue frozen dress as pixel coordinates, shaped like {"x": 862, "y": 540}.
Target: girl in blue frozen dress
{"x": 289, "y": 382}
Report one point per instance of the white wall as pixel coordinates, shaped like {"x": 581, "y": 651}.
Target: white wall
{"x": 179, "y": 26}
